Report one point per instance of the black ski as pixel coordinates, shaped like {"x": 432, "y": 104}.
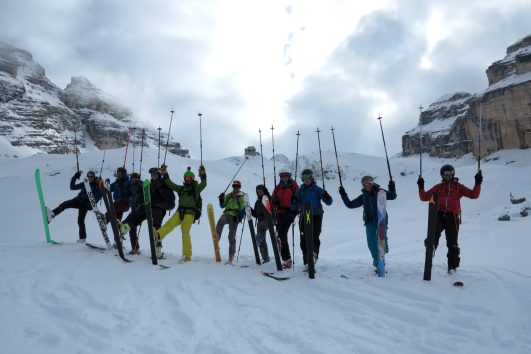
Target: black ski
{"x": 430, "y": 239}
{"x": 251, "y": 228}
{"x": 107, "y": 200}
{"x": 271, "y": 228}
{"x": 99, "y": 215}
{"x": 149, "y": 218}
{"x": 308, "y": 236}
{"x": 90, "y": 245}
{"x": 271, "y": 275}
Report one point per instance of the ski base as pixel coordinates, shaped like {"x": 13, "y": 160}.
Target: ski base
{"x": 272, "y": 276}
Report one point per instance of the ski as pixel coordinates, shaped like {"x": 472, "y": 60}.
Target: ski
{"x": 458, "y": 284}
{"x": 146, "y": 188}
{"x": 430, "y": 239}
{"x": 271, "y": 228}
{"x": 382, "y": 230}
{"x": 272, "y": 276}
{"x": 215, "y": 237}
{"x": 308, "y": 236}
{"x": 90, "y": 245}
{"x": 107, "y": 200}
{"x": 251, "y": 228}
{"x": 99, "y": 215}
{"x": 43, "y": 208}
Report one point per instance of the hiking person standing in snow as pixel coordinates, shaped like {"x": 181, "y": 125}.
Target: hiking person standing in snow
{"x": 369, "y": 200}
{"x": 120, "y": 192}
{"x": 310, "y": 191}
{"x": 449, "y": 209}
{"x": 189, "y": 206}
{"x": 80, "y": 202}
{"x": 281, "y": 201}
{"x": 234, "y": 204}
{"x": 261, "y": 225}
{"x": 136, "y": 200}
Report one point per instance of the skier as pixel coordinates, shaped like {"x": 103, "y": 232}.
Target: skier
{"x": 120, "y": 192}
{"x": 234, "y": 204}
{"x": 80, "y": 202}
{"x": 261, "y": 226}
{"x": 449, "y": 209}
{"x": 285, "y": 216}
{"x": 161, "y": 200}
{"x": 368, "y": 199}
{"x": 310, "y": 191}
{"x": 136, "y": 200}
{"x": 188, "y": 210}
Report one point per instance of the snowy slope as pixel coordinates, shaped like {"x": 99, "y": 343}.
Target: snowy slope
{"x": 70, "y": 299}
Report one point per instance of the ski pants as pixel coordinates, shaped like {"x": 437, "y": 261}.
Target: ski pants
{"x": 135, "y": 218}
{"x": 186, "y": 225}
{"x": 450, "y": 225}
{"x": 233, "y": 227}
{"x": 371, "y": 230}
{"x": 284, "y": 221}
{"x": 120, "y": 207}
{"x": 261, "y": 231}
{"x": 76, "y": 203}
{"x": 317, "y": 222}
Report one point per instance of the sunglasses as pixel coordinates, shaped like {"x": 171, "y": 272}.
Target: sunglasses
{"x": 447, "y": 174}
{"x": 236, "y": 186}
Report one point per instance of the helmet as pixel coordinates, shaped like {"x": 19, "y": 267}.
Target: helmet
{"x": 153, "y": 170}
{"x": 447, "y": 168}
{"x": 189, "y": 173}
{"x": 135, "y": 175}
{"x": 121, "y": 170}
{"x": 262, "y": 188}
{"x": 306, "y": 173}
{"x": 91, "y": 174}
{"x": 284, "y": 171}
{"x": 236, "y": 183}
{"x": 367, "y": 179}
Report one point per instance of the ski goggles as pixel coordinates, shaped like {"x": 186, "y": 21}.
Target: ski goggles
{"x": 447, "y": 174}
{"x": 91, "y": 174}
{"x": 236, "y": 186}
{"x": 188, "y": 178}
{"x": 306, "y": 177}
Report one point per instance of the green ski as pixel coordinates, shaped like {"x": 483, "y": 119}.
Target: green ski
{"x": 43, "y": 208}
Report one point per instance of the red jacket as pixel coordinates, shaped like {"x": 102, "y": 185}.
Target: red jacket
{"x": 284, "y": 192}
{"x": 450, "y": 194}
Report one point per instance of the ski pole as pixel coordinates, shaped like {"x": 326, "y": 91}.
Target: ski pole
{"x": 127, "y": 146}
{"x": 142, "y": 151}
{"x": 480, "y": 137}
{"x": 103, "y": 160}
{"x": 420, "y": 138}
{"x": 293, "y": 223}
{"x": 168, "y": 140}
{"x": 274, "y": 167}
{"x": 320, "y": 156}
{"x": 75, "y": 148}
{"x": 133, "y": 149}
{"x": 158, "y": 156}
{"x": 337, "y": 161}
{"x": 200, "y": 138}
{"x": 233, "y": 177}
{"x": 241, "y": 236}
{"x": 262, "y": 155}
{"x": 385, "y": 147}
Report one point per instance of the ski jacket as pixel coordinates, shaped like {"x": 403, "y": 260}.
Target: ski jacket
{"x": 259, "y": 209}
{"x": 284, "y": 192}
{"x": 160, "y": 194}
{"x": 369, "y": 202}
{"x": 450, "y": 195}
{"x": 314, "y": 194}
{"x": 136, "y": 195}
{"x": 94, "y": 186}
{"x": 234, "y": 204}
{"x": 189, "y": 194}
{"x": 120, "y": 189}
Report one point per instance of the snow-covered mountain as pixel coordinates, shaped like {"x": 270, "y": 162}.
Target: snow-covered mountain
{"x": 450, "y": 125}
{"x": 70, "y": 299}
{"x": 36, "y": 116}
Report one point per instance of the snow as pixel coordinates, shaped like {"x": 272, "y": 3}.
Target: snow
{"x": 70, "y": 299}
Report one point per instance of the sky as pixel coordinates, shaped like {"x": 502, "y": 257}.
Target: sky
{"x": 249, "y": 65}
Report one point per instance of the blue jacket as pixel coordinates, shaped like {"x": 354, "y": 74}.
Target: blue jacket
{"x": 369, "y": 202}
{"x": 121, "y": 189}
{"x": 83, "y": 194}
{"x": 314, "y": 194}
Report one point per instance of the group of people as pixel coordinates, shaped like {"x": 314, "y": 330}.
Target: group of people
{"x": 282, "y": 206}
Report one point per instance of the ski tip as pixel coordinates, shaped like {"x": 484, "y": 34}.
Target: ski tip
{"x": 458, "y": 284}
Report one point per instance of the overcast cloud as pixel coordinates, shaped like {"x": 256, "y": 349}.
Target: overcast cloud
{"x": 248, "y": 64}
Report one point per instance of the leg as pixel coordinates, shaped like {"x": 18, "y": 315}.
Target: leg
{"x": 233, "y": 228}
{"x": 67, "y": 204}
{"x": 317, "y": 222}
{"x": 302, "y": 240}
{"x": 283, "y": 224}
{"x": 186, "y": 226}
{"x": 372, "y": 242}
{"x": 452, "y": 232}
{"x": 222, "y": 221}
{"x": 172, "y": 223}
{"x": 158, "y": 216}
{"x": 261, "y": 230}
{"x": 81, "y": 223}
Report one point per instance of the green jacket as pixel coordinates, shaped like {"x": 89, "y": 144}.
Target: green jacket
{"x": 234, "y": 204}
{"x": 189, "y": 194}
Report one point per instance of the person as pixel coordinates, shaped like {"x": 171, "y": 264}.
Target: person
{"x": 233, "y": 213}
{"x": 368, "y": 199}
{"x": 449, "y": 209}
{"x": 281, "y": 200}
{"x": 310, "y": 191}
{"x": 261, "y": 225}
{"x": 189, "y": 206}
{"x": 80, "y": 202}
{"x": 136, "y": 201}
{"x": 120, "y": 192}
{"x": 161, "y": 200}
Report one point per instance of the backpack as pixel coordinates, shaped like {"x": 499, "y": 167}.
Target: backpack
{"x": 170, "y": 202}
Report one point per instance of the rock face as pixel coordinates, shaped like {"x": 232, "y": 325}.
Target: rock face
{"x": 450, "y": 126}
{"x": 39, "y": 117}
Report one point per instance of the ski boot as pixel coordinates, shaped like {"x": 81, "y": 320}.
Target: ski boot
{"x": 49, "y": 214}
{"x": 158, "y": 250}
{"x": 287, "y": 264}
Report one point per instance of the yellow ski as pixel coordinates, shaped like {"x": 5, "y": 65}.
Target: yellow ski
{"x": 215, "y": 237}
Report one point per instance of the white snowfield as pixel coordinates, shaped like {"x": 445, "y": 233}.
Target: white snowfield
{"x": 71, "y": 299}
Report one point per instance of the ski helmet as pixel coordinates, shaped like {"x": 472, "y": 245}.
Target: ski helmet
{"x": 367, "y": 179}
{"x": 306, "y": 174}
{"x": 189, "y": 173}
{"x": 91, "y": 174}
{"x": 135, "y": 175}
{"x": 121, "y": 170}
{"x": 284, "y": 171}
{"x": 447, "y": 168}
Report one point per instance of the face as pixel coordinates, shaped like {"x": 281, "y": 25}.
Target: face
{"x": 260, "y": 191}
{"x": 367, "y": 185}
{"x": 447, "y": 176}
{"x": 307, "y": 179}
{"x": 154, "y": 176}
{"x": 188, "y": 179}
{"x": 284, "y": 177}
{"x": 236, "y": 188}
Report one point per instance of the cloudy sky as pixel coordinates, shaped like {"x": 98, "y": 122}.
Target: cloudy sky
{"x": 247, "y": 65}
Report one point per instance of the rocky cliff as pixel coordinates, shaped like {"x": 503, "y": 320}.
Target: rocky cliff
{"x": 36, "y": 116}
{"x": 450, "y": 126}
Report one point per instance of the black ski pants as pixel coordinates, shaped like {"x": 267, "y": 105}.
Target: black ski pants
{"x": 284, "y": 221}
{"x": 135, "y": 218}
{"x": 449, "y": 223}
{"x": 317, "y": 222}
{"x": 83, "y": 208}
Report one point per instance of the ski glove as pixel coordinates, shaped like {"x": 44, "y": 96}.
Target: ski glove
{"x": 77, "y": 175}
{"x": 163, "y": 169}
{"x": 342, "y": 191}
{"x": 420, "y": 183}
{"x": 221, "y": 198}
{"x": 327, "y": 197}
{"x": 294, "y": 199}
{"x": 391, "y": 185}
{"x": 478, "y": 178}
{"x": 202, "y": 171}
